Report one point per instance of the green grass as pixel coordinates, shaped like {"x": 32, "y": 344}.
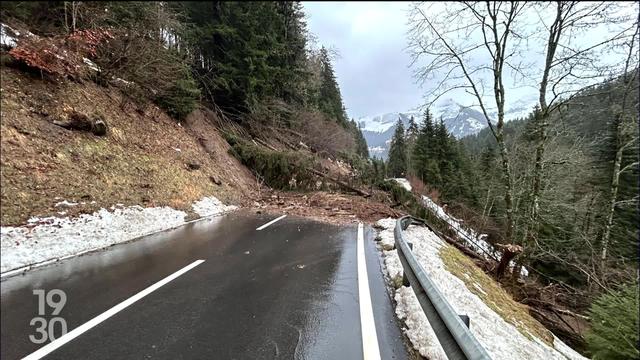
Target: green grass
{"x": 492, "y": 294}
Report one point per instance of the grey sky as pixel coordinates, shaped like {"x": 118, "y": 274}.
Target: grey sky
{"x": 373, "y": 68}
{"x": 373, "y": 71}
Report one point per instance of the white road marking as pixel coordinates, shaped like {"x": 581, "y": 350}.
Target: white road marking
{"x": 370, "y": 347}
{"x": 271, "y": 222}
{"x": 45, "y": 350}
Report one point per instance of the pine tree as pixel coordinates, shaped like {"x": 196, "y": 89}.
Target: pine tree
{"x": 444, "y": 154}
{"x": 246, "y": 52}
{"x": 412, "y": 131}
{"x": 362, "y": 148}
{"x": 614, "y": 320}
{"x": 423, "y": 155}
{"x": 412, "y": 136}
{"x": 329, "y": 100}
{"x": 398, "y": 152}
{"x": 379, "y": 169}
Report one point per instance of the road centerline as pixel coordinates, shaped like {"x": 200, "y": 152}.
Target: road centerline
{"x": 45, "y": 350}
{"x": 370, "y": 347}
{"x": 271, "y": 222}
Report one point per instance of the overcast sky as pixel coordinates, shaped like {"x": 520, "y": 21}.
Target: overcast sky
{"x": 373, "y": 68}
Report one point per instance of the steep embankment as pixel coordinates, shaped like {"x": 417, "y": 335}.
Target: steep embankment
{"x": 146, "y": 158}
{"x": 501, "y": 325}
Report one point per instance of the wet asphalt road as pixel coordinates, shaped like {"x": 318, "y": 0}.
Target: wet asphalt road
{"x": 289, "y": 291}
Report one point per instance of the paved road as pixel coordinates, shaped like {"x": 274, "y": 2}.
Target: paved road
{"x": 288, "y": 291}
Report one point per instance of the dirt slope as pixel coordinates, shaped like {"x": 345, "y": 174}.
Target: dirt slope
{"x": 146, "y": 158}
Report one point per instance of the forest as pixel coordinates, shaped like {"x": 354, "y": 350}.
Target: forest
{"x": 252, "y": 62}
{"x": 561, "y": 183}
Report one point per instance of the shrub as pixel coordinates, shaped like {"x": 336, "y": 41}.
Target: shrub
{"x": 614, "y": 321}
{"x": 181, "y": 98}
{"x": 281, "y": 170}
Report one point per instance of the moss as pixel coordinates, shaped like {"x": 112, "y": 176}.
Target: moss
{"x": 492, "y": 294}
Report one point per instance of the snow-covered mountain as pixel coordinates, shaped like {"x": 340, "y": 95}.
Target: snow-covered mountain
{"x": 461, "y": 121}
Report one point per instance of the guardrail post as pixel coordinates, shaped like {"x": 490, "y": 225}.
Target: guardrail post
{"x": 466, "y": 320}
{"x": 405, "y": 279}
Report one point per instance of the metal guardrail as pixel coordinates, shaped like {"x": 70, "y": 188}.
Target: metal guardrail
{"x": 466, "y": 239}
{"x": 453, "y": 334}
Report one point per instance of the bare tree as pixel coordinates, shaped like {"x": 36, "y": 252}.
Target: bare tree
{"x": 625, "y": 137}
{"x": 571, "y": 62}
{"x": 470, "y": 45}
{"x": 450, "y": 42}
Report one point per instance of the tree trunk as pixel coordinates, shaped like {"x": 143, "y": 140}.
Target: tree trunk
{"x": 615, "y": 180}
{"x": 542, "y": 120}
{"x": 340, "y": 182}
{"x": 508, "y": 194}
{"x": 508, "y": 253}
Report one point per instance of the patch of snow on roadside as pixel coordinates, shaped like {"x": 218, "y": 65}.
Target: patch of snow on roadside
{"x": 50, "y": 238}
{"x": 208, "y": 206}
{"x": 501, "y": 339}
{"x": 386, "y": 236}
{"x": 55, "y": 237}
{"x": 418, "y": 330}
{"x": 566, "y": 350}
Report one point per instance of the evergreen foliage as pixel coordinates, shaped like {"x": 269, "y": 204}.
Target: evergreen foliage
{"x": 278, "y": 169}
{"x": 579, "y": 161}
{"x": 424, "y": 157}
{"x": 398, "y": 152}
{"x": 181, "y": 98}
{"x": 247, "y": 52}
{"x": 614, "y": 321}
{"x": 329, "y": 100}
{"x": 240, "y": 57}
{"x": 361, "y": 144}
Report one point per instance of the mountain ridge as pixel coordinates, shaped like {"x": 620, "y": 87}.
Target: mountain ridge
{"x": 459, "y": 120}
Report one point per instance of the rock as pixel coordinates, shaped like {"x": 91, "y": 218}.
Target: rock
{"x": 215, "y": 180}
{"x": 81, "y": 122}
{"x": 99, "y": 128}
{"x": 193, "y": 166}
{"x": 99, "y": 125}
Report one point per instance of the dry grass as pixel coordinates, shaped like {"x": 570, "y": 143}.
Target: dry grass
{"x": 492, "y": 294}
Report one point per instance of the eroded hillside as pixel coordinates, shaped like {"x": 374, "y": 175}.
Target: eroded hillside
{"x": 146, "y": 158}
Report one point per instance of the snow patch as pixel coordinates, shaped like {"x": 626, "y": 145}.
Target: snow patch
{"x": 65, "y": 203}
{"x": 472, "y": 239}
{"x": 91, "y": 64}
{"x": 209, "y": 206}
{"x": 501, "y": 339}
{"x": 50, "y": 238}
{"x": 6, "y": 39}
{"x": 404, "y": 182}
